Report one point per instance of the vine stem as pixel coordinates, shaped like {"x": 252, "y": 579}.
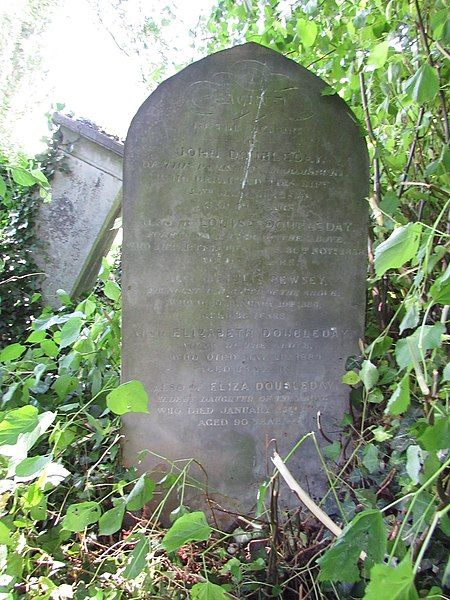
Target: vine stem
{"x": 424, "y": 37}
{"x": 437, "y": 516}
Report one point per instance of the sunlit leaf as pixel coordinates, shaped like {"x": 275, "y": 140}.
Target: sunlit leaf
{"x": 188, "y": 528}
{"x": 378, "y": 55}
{"x": 70, "y": 331}
{"x": 399, "y": 248}
{"x": 128, "y": 397}
{"x": 207, "y": 591}
{"x": 12, "y": 352}
{"x": 399, "y": 401}
{"x": 388, "y": 583}
{"x": 111, "y": 520}
{"x": 137, "y": 560}
{"x": 141, "y": 493}
{"x": 79, "y": 516}
{"x": 423, "y": 85}
{"x": 17, "y": 421}
{"x": 307, "y": 31}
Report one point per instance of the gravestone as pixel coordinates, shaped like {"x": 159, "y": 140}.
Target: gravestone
{"x": 244, "y": 262}
{"x": 74, "y": 230}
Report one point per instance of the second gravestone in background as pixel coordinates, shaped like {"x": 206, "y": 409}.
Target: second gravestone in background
{"x": 243, "y": 267}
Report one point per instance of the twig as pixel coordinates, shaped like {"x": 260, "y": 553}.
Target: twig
{"x": 411, "y": 153}
{"x": 307, "y": 500}
{"x": 376, "y": 162}
{"x": 423, "y": 35}
{"x": 17, "y": 277}
{"x": 319, "y": 427}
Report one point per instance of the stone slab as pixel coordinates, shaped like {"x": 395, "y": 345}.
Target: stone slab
{"x": 244, "y": 262}
{"x": 74, "y": 230}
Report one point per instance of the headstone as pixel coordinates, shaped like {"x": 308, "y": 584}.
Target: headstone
{"x": 244, "y": 262}
{"x": 74, "y": 230}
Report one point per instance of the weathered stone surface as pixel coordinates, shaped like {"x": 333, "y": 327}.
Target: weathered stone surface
{"x": 243, "y": 267}
{"x": 74, "y": 229}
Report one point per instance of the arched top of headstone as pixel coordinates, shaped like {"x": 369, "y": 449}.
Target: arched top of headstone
{"x": 253, "y": 75}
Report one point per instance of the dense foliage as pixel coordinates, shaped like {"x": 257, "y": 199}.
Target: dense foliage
{"x": 71, "y": 516}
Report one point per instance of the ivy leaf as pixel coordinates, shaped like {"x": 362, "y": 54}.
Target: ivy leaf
{"x": 188, "y": 528}
{"x": 307, "y": 31}
{"x": 79, "y": 516}
{"x": 207, "y": 591}
{"x": 111, "y": 520}
{"x": 400, "y": 399}
{"x": 12, "y": 352}
{"x": 401, "y": 246}
{"x": 128, "y": 397}
{"x": 368, "y": 374}
{"x": 423, "y": 85}
{"x": 138, "y": 558}
{"x": 365, "y": 532}
{"x": 407, "y": 351}
{"x": 387, "y": 583}
{"x": 440, "y": 290}
{"x": 70, "y": 331}
{"x": 414, "y": 462}
{"x": 141, "y": 493}
{"x": 378, "y": 55}
{"x": 370, "y": 458}
{"x": 15, "y": 422}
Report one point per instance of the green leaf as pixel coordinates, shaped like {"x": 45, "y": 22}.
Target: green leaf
{"x": 370, "y": 458}
{"x": 401, "y": 246}
{"x": 400, "y": 399}
{"x": 411, "y": 318}
{"x": 410, "y": 350}
{"x": 437, "y": 436}
{"x": 79, "y": 516}
{"x": 368, "y": 374}
{"x": 111, "y": 520}
{"x": 111, "y": 290}
{"x": 2, "y": 187}
{"x": 23, "y": 177}
{"x": 128, "y": 397}
{"x": 364, "y": 533}
{"x": 188, "y": 528}
{"x": 440, "y": 290}
{"x": 70, "y": 331}
{"x": 351, "y": 378}
{"x": 446, "y": 373}
{"x": 413, "y": 462}
{"x": 141, "y": 493}
{"x": 207, "y": 591}
{"x": 333, "y": 450}
{"x": 138, "y": 558}
{"x": 5, "y": 535}
{"x": 50, "y": 348}
{"x": 12, "y": 352}
{"x": 423, "y": 85}
{"x": 307, "y": 31}
{"x": 15, "y": 422}
{"x": 32, "y": 467}
{"x": 378, "y": 55}
{"x": 387, "y": 583}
